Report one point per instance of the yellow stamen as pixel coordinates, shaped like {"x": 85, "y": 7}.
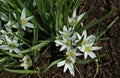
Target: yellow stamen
{"x": 87, "y": 49}
{"x": 68, "y": 43}
{"x": 84, "y": 42}
{"x": 23, "y": 21}
{"x": 66, "y": 34}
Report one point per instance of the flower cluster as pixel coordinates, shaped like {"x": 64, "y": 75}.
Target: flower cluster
{"x": 74, "y": 44}
{"x": 9, "y": 37}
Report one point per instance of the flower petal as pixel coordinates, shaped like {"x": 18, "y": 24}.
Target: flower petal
{"x": 29, "y": 18}
{"x": 30, "y": 25}
{"x": 62, "y": 48}
{"x": 95, "y": 48}
{"x": 61, "y": 63}
{"x": 66, "y": 67}
{"x": 23, "y": 15}
{"x": 85, "y": 55}
{"x": 80, "y": 17}
{"x": 92, "y": 55}
{"x": 17, "y": 50}
{"x": 74, "y": 13}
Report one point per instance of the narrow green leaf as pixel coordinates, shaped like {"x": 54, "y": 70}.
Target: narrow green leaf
{"x": 21, "y": 71}
{"x": 107, "y": 28}
{"x": 52, "y": 64}
{"x": 39, "y": 46}
{"x": 93, "y": 23}
{"x": 13, "y": 55}
{"x": 90, "y": 60}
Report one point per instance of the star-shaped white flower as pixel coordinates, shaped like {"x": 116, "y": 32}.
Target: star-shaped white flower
{"x": 11, "y": 45}
{"x": 67, "y": 38}
{"x": 27, "y": 62}
{"x": 66, "y": 32}
{"x": 69, "y": 61}
{"x": 85, "y": 39}
{"x": 68, "y": 64}
{"x": 88, "y": 50}
{"x": 24, "y": 20}
{"x": 75, "y": 19}
{"x": 65, "y": 44}
{"x": 71, "y": 55}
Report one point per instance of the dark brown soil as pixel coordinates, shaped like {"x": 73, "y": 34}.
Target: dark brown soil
{"x": 109, "y": 66}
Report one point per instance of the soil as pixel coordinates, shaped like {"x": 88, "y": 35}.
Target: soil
{"x": 109, "y": 66}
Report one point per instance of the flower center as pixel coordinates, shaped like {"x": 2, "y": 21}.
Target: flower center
{"x": 68, "y": 43}
{"x": 23, "y": 21}
{"x": 66, "y": 34}
{"x": 73, "y": 21}
{"x": 12, "y": 45}
{"x": 87, "y": 49}
{"x": 71, "y": 54}
{"x": 84, "y": 41}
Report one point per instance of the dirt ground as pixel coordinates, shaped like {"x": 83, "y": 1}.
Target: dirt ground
{"x": 109, "y": 66}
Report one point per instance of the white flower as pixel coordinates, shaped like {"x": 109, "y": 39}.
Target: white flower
{"x": 11, "y": 45}
{"x": 66, "y": 32}
{"x": 24, "y": 20}
{"x": 71, "y": 55}
{"x": 27, "y": 62}
{"x": 70, "y": 60}
{"x": 88, "y": 50}
{"x": 34, "y": 3}
{"x": 68, "y": 65}
{"x": 4, "y": 17}
{"x": 66, "y": 38}
{"x": 65, "y": 44}
{"x": 75, "y": 19}
{"x": 11, "y": 24}
{"x": 86, "y": 39}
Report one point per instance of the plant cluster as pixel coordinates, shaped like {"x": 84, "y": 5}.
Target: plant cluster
{"x": 28, "y": 26}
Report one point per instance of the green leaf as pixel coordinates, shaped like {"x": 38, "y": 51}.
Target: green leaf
{"x": 20, "y": 71}
{"x": 38, "y": 46}
{"x": 107, "y": 28}
{"x": 52, "y": 64}
{"x": 13, "y": 55}
{"x": 90, "y": 60}
{"x": 93, "y": 23}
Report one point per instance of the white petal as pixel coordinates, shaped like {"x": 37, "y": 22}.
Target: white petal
{"x": 78, "y": 54}
{"x": 85, "y": 55}
{"x": 62, "y": 48}
{"x": 74, "y": 13}
{"x": 64, "y": 28}
{"x": 15, "y": 40}
{"x": 95, "y": 48}
{"x": 10, "y": 50}
{"x": 91, "y": 39}
{"x": 69, "y": 19}
{"x": 30, "y": 25}
{"x": 16, "y": 50}
{"x": 59, "y": 42}
{"x": 29, "y": 18}
{"x": 24, "y": 27}
{"x": 7, "y": 39}
{"x": 61, "y": 63}
{"x": 82, "y": 48}
{"x": 4, "y": 47}
{"x": 79, "y": 37}
{"x": 80, "y": 17}
{"x": 4, "y": 17}
{"x": 92, "y": 55}
{"x": 84, "y": 34}
{"x": 23, "y": 15}
{"x": 71, "y": 69}
{"x": 66, "y": 67}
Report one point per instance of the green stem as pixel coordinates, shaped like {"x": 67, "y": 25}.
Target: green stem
{"x": 97, "y": 68}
